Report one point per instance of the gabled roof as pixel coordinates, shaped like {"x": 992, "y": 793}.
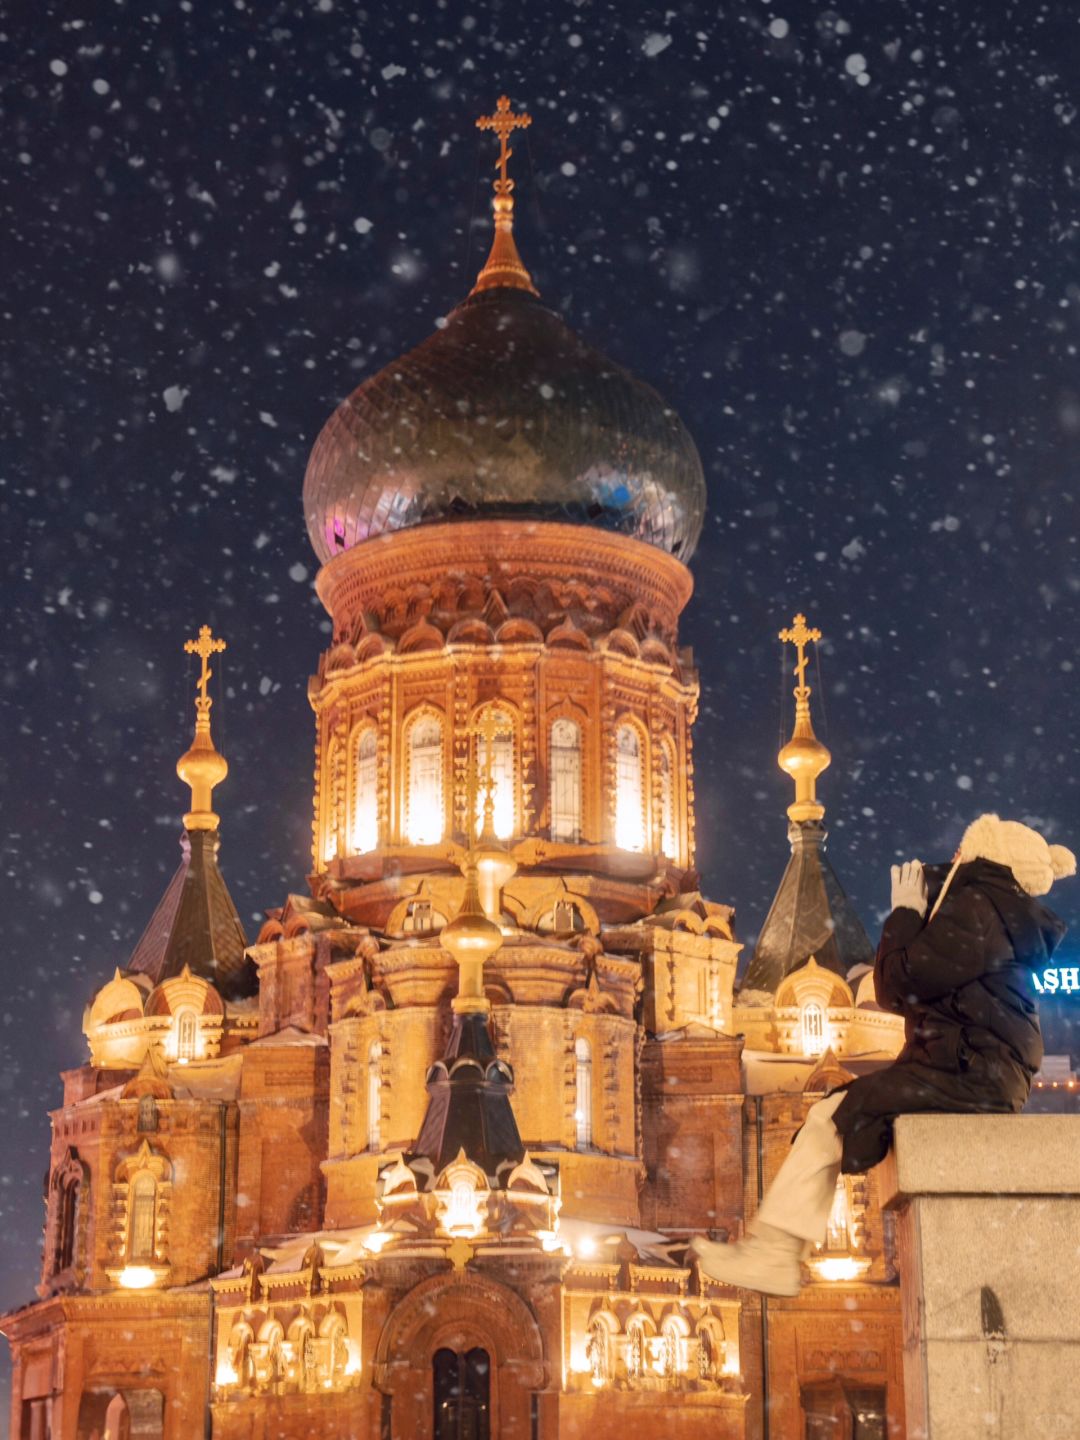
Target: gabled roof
{"x": 810, "y": 915}
{"x": 196, "y": 924}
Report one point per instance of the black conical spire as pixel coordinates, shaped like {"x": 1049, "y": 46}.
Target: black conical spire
{"x": 469, "y": 1109}
{"x": 810, "y": 915}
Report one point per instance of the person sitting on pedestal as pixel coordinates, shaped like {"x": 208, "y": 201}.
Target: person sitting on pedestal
{"x": 961, "y": 978}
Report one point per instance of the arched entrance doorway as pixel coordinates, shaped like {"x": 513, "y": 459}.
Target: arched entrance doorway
{"x": 462, "y": 1388}
{"x": 121, "y": 1415}
{"x": 459, "y": 1350}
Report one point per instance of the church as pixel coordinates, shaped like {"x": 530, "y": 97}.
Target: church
{"x": 420, "y": 1160}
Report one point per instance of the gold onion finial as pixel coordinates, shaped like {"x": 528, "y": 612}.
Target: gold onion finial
{"x": 471, "y": 938}
{"x": 202, "y": 767}
{"x": 504, "y": 266}
{"x": 804, "y": 757}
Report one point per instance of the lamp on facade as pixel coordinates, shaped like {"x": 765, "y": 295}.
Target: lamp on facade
{"x": 840, "y": 1267}
{"x": 137, "y": 1277}
{"x": 226, "y": 1375}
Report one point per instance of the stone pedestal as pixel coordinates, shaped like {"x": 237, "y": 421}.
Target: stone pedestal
{"x": 988, "y": 1220}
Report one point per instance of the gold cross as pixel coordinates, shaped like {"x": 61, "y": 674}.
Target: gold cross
{"x": 204, "y": 647}
{"x": 800, "y": 637}
{"x": 493, "y": 724}
{"x": 504, "y": 124}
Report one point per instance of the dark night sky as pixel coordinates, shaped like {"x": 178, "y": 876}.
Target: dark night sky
{"x": 843, "y": 243}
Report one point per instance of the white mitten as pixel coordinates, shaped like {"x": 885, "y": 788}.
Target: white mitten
{"x": 909, "y": 887}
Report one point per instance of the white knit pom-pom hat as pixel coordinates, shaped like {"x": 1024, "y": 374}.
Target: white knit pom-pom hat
{"x": 1035, "y": 864}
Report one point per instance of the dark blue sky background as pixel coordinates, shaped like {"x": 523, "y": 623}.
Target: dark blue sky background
{"x": 842, "y": 242}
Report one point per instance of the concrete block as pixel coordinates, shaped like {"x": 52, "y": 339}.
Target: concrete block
{"x": 983, "y": 1155}
{"x": 988, "y": 1230}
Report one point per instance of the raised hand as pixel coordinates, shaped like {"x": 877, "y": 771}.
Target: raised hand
{"x": 909, "y": 886}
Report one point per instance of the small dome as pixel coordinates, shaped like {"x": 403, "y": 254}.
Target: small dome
{"x": 504, "y": 412}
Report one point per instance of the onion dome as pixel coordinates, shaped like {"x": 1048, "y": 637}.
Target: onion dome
{"x": 504, "y": 412}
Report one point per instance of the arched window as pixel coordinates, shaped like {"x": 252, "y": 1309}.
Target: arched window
{"x": 565, "y": 916}
{"x": 670, "y": 1350}
{"x": 706, "y": 1355}
{"x": 565, "y": 771}
{"x": 596, "y": 1350}
{"x": 374, "y": 1093}
{"x": 142, "y": 1223}
{"x": 187, "y": 1035}
{"x": 669, "y": 841}
{"x": 635, "y": 1350}
{"x": 424, "y": 811}
{"x": 69, "y": 1198}
{"x": 335, "y": 1337}
{"x": 329, "y": 802}
{"x": 813, "y": 1028}
{"x": 365, "y": 834}
{"x": 502, "y": 771}
{"x": 583, "y": 1092}
{"x": 419, "y": 917}
{"x": 629, "y": 790}
{"x": 239, "y": 1355}
{"x": 838, "y": 1230}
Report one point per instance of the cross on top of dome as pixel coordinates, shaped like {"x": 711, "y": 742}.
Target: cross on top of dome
{"x": 504, "y": 123}
{"x": 504, "y": 266}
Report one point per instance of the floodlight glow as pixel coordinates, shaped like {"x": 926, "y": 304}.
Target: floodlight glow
{"x": 137, "y": 1277}
{"x": 840, "y": 1268}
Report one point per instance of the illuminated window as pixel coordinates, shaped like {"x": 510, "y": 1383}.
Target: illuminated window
{"x": 838, "y": 1232}
{"x": 813, "y": 1028}
{"x": 564, "y": 916}
{"x": 336, "y": 1346}
{"x": 329, "y": 803}
{"x": 629, "y": 790}
{"x": 424, "y": 818}
{"x": 583, "y": 1093}
{"x": 635, "y": 1351}
{"x": 187, "y": 1035}
{"x": 374, "y": 1090}
{"x": 68, "y": 1224}
{"x": 142, "y": 1221}
{"x": 596, "y": 1351}
{"x": 502, "y": 773}
{"x": 419, "y": 917}
{"x": 672, "y": 1350}
{"x": 465, "y": 1208}
{"x": 565, "y": 765}
{"x": 706, "y": 1357}
{"x": 366, "y": 816}
{"x": 668, "y": 839}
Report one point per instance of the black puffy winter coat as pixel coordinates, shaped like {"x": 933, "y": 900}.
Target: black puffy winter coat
{"x": 962, "y": 982}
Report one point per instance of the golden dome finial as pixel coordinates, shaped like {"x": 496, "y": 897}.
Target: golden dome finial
{"x": 202, "y": 767}
{"x": 503, "y": 266}
{"x": 803, "y": 757}
{"x": 471, "y": 938}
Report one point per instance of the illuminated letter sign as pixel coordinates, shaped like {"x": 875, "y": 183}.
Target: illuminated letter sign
{"x": 1050, "y": 982}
